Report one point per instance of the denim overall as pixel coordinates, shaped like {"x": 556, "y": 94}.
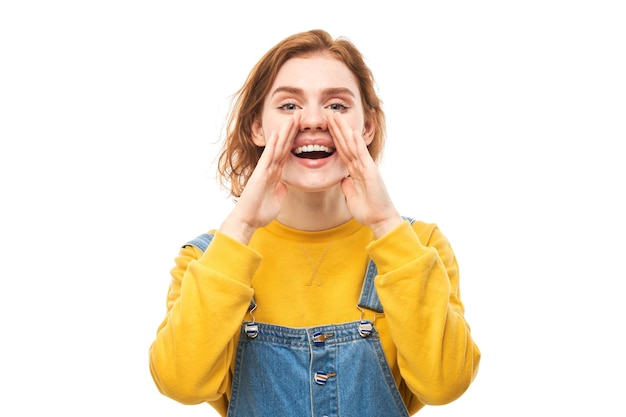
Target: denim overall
{"x": 336, "y": 370}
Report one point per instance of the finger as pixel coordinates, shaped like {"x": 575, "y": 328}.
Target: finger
{"x": 278, "y": 145}
{"x": 285, "y": 137}
{"x": 350, "y": 145}
{"x": 338, "y": 137}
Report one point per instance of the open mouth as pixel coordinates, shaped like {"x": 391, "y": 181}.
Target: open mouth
{"x": 313, "y": 151}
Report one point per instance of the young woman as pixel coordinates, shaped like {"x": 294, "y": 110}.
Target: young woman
{"x": 314, "y": 297}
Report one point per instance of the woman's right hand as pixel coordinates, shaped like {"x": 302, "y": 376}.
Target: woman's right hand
{"x": 261, "y": 199}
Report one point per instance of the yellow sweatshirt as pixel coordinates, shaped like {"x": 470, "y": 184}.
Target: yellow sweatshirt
{"x": 301, "y": 279}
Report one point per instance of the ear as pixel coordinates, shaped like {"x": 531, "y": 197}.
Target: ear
{"x": 369, "y": 128}
{"x": 257, "y": 132}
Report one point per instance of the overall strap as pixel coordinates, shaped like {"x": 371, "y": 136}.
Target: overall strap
{"x": 201, "y": 242}
{"x": 369, "y": 296}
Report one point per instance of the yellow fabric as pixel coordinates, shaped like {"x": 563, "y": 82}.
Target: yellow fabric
{"x": 301, "y": 279}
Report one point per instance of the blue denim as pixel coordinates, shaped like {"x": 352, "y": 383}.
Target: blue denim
{"x": 324, "y": 371}
{"x": 318, "y": 371}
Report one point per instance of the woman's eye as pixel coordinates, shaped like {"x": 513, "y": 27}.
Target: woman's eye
{"x": 337, "y": 107}
{"x": 288, "y": 106}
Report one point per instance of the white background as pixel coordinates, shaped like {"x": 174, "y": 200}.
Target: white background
{"x": 506, "y": 125}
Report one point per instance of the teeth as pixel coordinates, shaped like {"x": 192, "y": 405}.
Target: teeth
{"x": 312, "y": 148}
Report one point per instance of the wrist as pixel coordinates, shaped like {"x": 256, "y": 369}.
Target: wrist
{"x": 237, "y": 229}
{"x": 382, "y": 227}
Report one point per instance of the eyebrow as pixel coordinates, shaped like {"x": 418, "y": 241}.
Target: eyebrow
{"x": 327, "y": 92}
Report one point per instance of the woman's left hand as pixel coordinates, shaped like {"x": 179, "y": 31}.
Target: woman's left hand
{"x": 365, "y": 191}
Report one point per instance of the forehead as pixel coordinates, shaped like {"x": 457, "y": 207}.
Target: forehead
{"x": 316, "y": 72}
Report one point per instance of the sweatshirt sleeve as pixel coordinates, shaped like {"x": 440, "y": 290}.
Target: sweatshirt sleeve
{"x": 208, "y": 298}
{"x": 418, "y": 285}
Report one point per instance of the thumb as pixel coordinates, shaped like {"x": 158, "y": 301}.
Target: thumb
{"x": 281, "y": 191}
{"x": 347, "y": 186}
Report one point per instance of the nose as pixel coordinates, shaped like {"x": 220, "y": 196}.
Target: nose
{"x": 313, "y": 118}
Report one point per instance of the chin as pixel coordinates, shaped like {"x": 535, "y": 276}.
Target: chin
{"x": 314, "y": 180}
{"x": 314, "y": 186}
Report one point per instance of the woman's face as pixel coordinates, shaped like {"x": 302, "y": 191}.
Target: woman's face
{"x": 315, "y": 86}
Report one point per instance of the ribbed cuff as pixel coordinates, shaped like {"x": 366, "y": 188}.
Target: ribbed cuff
{"x": 396, "y": 249}
{"x": 231, "y": 258}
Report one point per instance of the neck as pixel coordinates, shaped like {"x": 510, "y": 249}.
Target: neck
{"x": 314, "y": 211}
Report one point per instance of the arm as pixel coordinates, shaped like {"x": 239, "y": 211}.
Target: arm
{"x": 418, "y": 282}
{"x": 418, "y": 285}
{"x": 211, "y": 292}
{"x": 207, "y": 301}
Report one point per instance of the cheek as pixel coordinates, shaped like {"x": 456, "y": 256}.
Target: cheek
{"x": 272, "y": 124}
